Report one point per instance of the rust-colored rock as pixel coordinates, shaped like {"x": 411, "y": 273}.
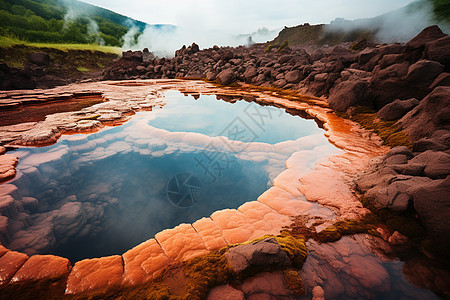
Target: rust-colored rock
{"x": 43, "y": 267}
{"x": 182, "y": 242}
{"x": 8, "y": 163}
{"x": 3, "y": 250}
{"x": 97, "y": 274}
{"x": 10, "y": 262}
{"x": 210, "y": 233}
{"x": 236, "y": 227}
{"x": 283, "y": 202}
{"x": 144, "y": 262}
{"x": 273, "y": 221}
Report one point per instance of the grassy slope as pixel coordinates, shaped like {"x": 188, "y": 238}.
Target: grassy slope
{"x": 48, "y": 21}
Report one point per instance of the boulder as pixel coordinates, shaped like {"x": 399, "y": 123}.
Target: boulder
{"x": 439, "y": 50}
{"x": 432, "y": 114}
{"x": 318, "y": 293}
{"x": 399, "y": 150}
{"x": 293, "y": 76}
{"x": 391, "y": 59}
{"x": 280, "y": 83}
{"x": 249, "y": 74}
{"x": 132, "y": 56}
{"x": 423, "y": 73}
{"x": 442, "y": 80}
{"x": 226, "y": 77}
{"x": 210, "y": 76}
{"x": 425, "y": 144}
{"x": 388, "y": 84}
{"x": 343, "y": 53}
{"x": 267, "y": 286}
{"x": 426, "y": 36}
{"x": 432, "y": 203}
{"x": 397, "y": 195}
{"x": 366, "y": 55}
{"x": 225, "y": 292}
{"x": 436, "y": 163}
{"x": 397, "y": 109}
{"x": 264, "y": 253}
{"x": 40, "y": 59}
{"x": 348, "y": 93}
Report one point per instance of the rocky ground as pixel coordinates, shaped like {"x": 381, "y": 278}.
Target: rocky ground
{"x": 407, "y": 84}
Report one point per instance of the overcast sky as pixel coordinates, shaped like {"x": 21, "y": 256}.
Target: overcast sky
{"x": 245, "y": 16}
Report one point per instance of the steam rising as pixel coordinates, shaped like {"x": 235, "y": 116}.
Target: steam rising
{"x": 93, "y": 32}
{"x": 400, "y": 25}
{"x": 165, "y": 40}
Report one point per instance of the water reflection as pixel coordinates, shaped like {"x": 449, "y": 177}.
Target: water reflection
{"x": 103, "y": 193}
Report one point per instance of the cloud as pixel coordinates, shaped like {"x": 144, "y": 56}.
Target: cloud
{"x": 244, "y": 16}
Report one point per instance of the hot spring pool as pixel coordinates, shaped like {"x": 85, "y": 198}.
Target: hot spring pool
{"x": 92, "y": 195}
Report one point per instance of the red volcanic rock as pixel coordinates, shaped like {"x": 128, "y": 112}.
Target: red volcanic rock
{"x": 431, "y": 114}
{"x": 8, "y": 165}
{"x": 225, "y": 292}
{"x": 293, "y": 76}
{"x": 211, "y": 76}
{"x": 346, "y": 94}
{"x": 432, "y": 203}
{"x": 391, "y": 59}
{"x": 436, "y": 163}
{"x": 442, "y": 80}
{"x": 439, "y": 50}
{"x": 43, "y": 267}
{"x": 397, "y": 109}
{"x": 3, "y": 250}
{"x": 226, "y": 77}
{"x": 97, "y": 274}
{"x": 264, "y": 253}
{"x": 144, "y": 262}
{"x": 427, "y": 35}
{"x": 249, "y": 74}
{"x": 267, "y": 286}
{"x": 424, "y": 72}
{"x": 318, "y": 293}
{"x": 10, "y": 262}
{"x": 367, "y": 55}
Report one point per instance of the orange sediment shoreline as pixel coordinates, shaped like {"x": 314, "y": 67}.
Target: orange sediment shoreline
{"x": 272, "y": 211}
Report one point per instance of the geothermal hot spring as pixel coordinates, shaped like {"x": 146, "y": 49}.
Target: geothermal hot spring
{"x": 99, "y": 194}
{"x": 103, "y": 193}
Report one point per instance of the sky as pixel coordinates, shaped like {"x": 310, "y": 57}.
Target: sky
{"x": 246, "y": 16}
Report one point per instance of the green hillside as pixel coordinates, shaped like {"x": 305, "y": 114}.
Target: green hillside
{"x": 63, "y": 21}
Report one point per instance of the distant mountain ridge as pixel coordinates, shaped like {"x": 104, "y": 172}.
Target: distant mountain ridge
{"x": 397, "y": 26}
{"x": 66, "y": 21}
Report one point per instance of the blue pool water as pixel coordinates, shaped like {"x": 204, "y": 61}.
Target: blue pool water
{"x": 244, "y": 121}
{"x": 103, "y": 193}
